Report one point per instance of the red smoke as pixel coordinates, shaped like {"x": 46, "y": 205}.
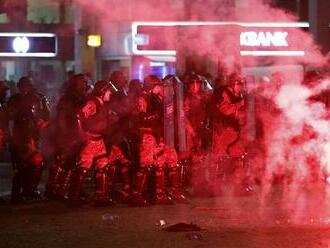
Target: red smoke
{"x": 297, "y": 137}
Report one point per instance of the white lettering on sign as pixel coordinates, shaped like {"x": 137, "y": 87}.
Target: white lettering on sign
{"x": 264, "y": 39}
{"x": 21, "y": 44}
{"x": 142, "y": 39}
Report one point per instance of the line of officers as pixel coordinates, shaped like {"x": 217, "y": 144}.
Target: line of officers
{"x": 118, "y": 132}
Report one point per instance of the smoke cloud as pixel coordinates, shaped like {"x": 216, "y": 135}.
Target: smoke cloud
{"x": 297, "y": 138}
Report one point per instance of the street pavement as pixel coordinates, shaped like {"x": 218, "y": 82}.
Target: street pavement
{"x": 6, "y": 173}
{"x": 224, "y": 223}
{"x": 297, "y": 220}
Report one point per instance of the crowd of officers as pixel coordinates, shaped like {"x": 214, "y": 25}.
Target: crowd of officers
{"x": 116, "y": 129}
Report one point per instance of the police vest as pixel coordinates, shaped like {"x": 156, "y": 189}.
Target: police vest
{"x": 97, "y": 123}
{"x": 231, "y": 120}
{"x": 28, "y": 109}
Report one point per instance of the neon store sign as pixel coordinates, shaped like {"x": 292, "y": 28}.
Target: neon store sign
{"x": 28, "y": 45}
{"x": 252, "y": 42}
{"x": 264, "y": 39}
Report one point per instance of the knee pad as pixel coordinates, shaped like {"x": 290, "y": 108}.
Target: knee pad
{"x": 111, "y": 167}
{"x": 124, "y": 170}
{"x": 102, "y": 170}
{"x": 160, "y": 169}
{"x": 37, "y": 160}
{"x": 145, "y": 169}
{"x": 80, "y": 170}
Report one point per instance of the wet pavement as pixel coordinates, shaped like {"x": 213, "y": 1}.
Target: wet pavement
{"x": 296, "y": 218}
{"x": 225, "y": 222}
{"x": 6, "y": 173}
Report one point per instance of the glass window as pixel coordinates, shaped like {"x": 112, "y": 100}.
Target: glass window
{"x": 43, "y": 11}
{"x": 69, "y": 13}
{"x": 3, "y": 18}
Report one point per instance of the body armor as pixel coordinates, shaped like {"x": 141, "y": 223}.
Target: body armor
{"x": 29, "y": 113}
{"x": 96, "y": 123}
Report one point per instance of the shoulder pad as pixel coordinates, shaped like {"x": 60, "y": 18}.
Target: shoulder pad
{"x": 89, "y": 108}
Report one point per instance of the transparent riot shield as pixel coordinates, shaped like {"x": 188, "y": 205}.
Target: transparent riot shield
{"x": 180, "y": 117}
{"x": 169, "y": 126}
{"x": 174, "y": 127}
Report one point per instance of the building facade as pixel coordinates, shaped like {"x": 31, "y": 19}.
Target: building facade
{"x": 33, "y": 21}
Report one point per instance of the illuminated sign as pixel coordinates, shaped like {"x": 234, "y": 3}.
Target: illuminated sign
{"x": 94, "y": 40}
{"x": 272, "y": 53}
{"x": 141, "y": 39}
{"x": 266, "y": 39}
{"x": 273, "y": 37}
{"x": 21, "y": 44}
{"x": 28, "y": 45}
{"x": 155, "y": 64}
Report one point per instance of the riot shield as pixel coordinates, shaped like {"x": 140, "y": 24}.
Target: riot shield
{"x": 169, "y": 126}
{"x": 174, "y": 124}
{"x": 180, "y": 117}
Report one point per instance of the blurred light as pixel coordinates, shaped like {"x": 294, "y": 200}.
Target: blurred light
{"x": 94, "y": 40}
{"x": 328, "y": 180}
{"x": 46, "y": 55}
{"x": 164, "y": 71}
{"x": 21, "y": 44}
{"x": 141, "y": 39}
{"x": 162, "y": 58}
{"x": 272, "y": 53}
{"x": 152, "y": 63}
{"x": 243, "y": 24}
{"x": 27, "y": 34}
{"x": 140, "y": 72}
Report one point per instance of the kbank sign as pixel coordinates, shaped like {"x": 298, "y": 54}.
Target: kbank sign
{"x": 264, "y": 39}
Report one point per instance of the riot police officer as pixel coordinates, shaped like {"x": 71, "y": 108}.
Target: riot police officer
{"x": 69, "y": 138}
{"x": 3, "y": 116}
{"x": 94, "y": 123}
{"x": 229, "y": 143}
{"x": 119, "y": 146}
{"x": 197, "y": 132}
{"x": 29, "y": 112}
{"x": 154, "y": 152}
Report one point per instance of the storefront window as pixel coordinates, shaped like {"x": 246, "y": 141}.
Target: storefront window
{"x": 43, "y": 11}
{"x": 3, "y": 18}
{"x": 69, "y": 14}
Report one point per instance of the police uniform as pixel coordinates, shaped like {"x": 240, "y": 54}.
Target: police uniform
{"x": 29, "y": 113}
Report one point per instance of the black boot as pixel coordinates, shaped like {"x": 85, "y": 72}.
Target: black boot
{"x": 77, "y": 181}
{"x": 138, "y": 198}
{"x": 62, "y": 186}
{"x": 52, "y": 181}
{"x": 126, "y": 192}
{"x": 36, "y": 177}
{"x": 101, "y": 189}
{"x": 242, "y": 187}
{"x": 30, "y": 189}
{"x": 111, "y": 181}
{"x": 161, "y": 196}
{"x": 17, "y": 186}
{"x": 175, "y": 189}
{"x": 185, "y": 172}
